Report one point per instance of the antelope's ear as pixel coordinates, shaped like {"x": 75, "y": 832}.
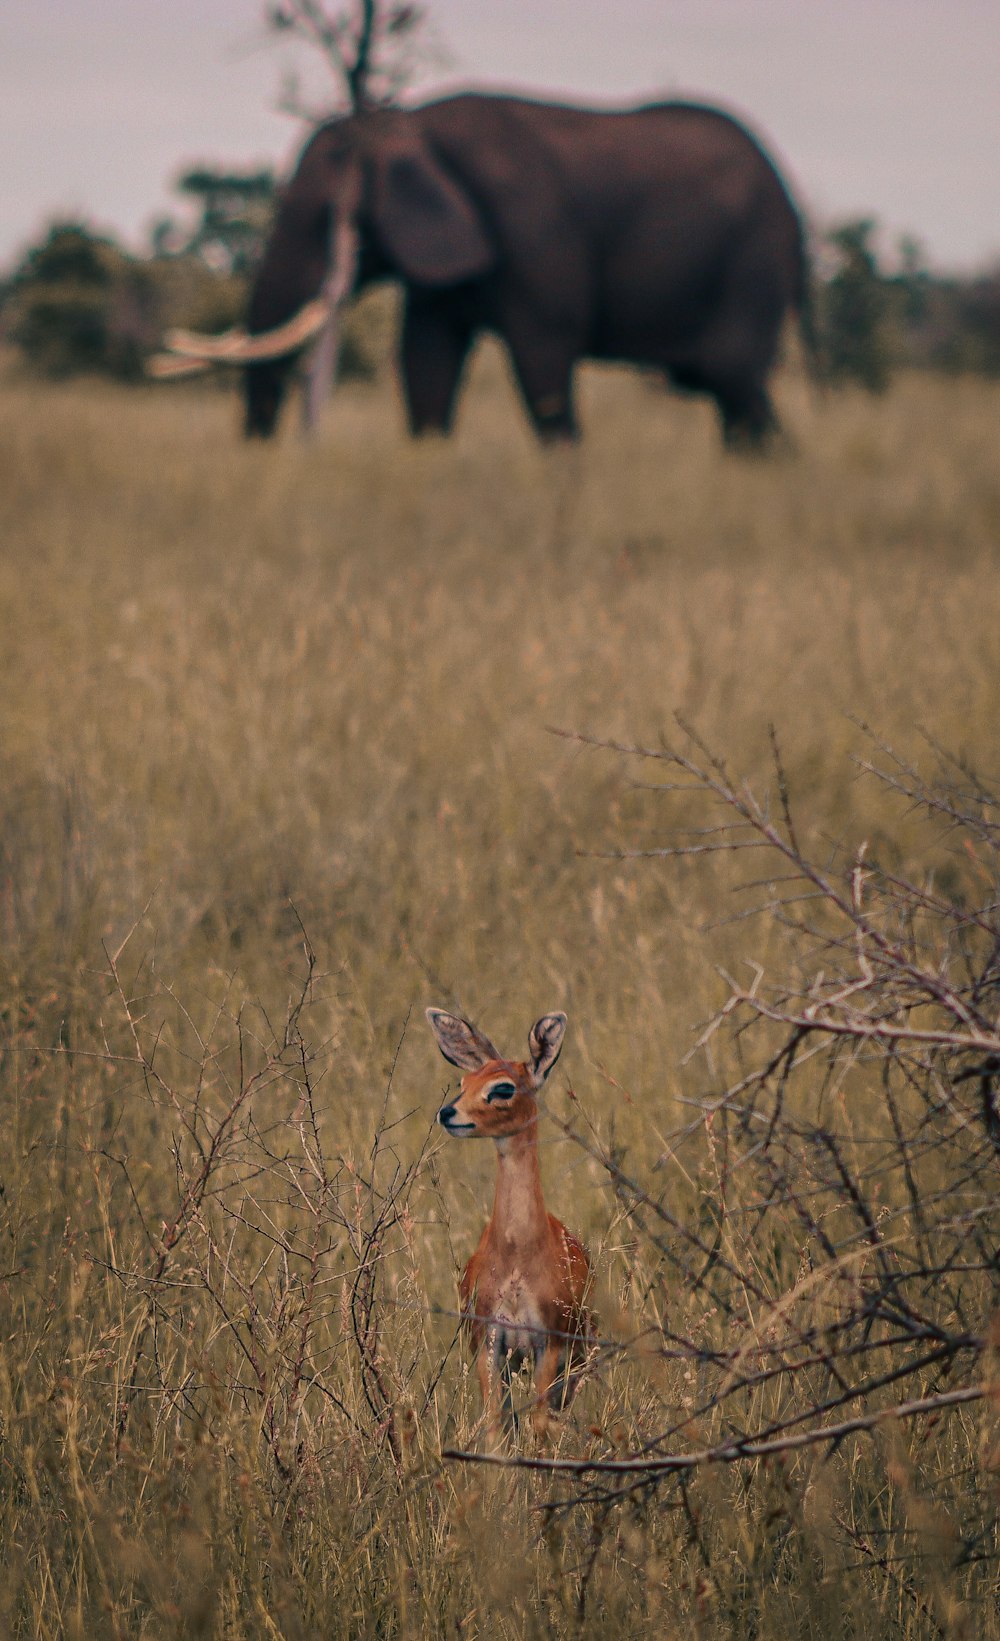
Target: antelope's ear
{"x": 460, "y": 1041}
{"x": 545, "y": 1041}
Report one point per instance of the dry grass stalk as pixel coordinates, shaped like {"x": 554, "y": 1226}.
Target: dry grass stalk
{"x": 234, "y": 687}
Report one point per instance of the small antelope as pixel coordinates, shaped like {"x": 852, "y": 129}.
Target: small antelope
{"x": 522, "y": 1292}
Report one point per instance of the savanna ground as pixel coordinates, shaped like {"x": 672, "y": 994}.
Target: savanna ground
{"x": 277, "y": 771}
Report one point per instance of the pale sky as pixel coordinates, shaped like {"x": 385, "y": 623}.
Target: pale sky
{"x": 883, "y": 106}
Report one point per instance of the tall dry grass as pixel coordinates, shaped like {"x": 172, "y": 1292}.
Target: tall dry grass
{"x": 267, "y": 703}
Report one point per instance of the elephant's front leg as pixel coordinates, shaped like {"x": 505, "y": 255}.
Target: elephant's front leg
{"x": 435, "y": 345}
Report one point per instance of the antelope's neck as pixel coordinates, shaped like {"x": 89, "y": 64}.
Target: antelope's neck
{"x": 519, "y": 1216}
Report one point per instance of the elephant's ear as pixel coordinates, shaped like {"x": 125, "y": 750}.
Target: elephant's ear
{"x": 426, "y": 223}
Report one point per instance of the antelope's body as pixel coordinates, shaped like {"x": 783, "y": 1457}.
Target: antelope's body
{"x": 523, "y": 1292}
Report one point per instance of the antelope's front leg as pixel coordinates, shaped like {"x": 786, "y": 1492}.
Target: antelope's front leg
{"x": 547, "y": 1367}
{"x": 490, "y": 1385}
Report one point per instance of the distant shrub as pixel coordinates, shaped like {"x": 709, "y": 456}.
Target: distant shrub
{"x": 873, "y": 321}
{"x": 979, "y": 308}
{"x": 855, "y": 309}
{"x": 79, "y": 303}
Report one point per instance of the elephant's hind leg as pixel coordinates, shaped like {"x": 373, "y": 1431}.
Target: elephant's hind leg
{"x": 749, "y": 421}
{"x": 543, "y": 361}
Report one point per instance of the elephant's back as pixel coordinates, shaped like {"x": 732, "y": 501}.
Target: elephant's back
{"x": 669, "y": 151}
{"x": 677, "y": 141}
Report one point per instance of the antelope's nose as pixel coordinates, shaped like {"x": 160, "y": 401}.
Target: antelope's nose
{"x": 445, "y": 1115}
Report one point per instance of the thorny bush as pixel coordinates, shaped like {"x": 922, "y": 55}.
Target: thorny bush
{"x": 843, "y": 1251}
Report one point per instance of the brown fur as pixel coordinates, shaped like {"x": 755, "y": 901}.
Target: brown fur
{"x": 523, "y": 1291}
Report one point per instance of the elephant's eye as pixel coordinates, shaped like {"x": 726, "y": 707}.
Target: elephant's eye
{"x": 500, "y": 1091}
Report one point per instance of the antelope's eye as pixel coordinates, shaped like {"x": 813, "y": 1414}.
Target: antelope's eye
{"x": 500, "y": 1091}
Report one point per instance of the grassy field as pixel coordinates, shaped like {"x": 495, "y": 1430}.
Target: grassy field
{"x": 262, "y": 702}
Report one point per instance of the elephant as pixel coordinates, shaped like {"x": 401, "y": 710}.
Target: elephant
{"x": 662, "y": 236}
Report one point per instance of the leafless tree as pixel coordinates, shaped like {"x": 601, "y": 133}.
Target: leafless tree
{"x": 373, "y": 49}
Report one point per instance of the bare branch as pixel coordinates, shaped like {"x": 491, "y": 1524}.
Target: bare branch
{"x": 729, "y": 1452}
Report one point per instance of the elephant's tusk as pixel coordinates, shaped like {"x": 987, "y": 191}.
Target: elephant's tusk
{"x": 169, "y": 367}
{"x": 191, "y": 344}
{"x": 239, "y": 347}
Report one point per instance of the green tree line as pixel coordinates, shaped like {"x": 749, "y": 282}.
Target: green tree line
{"x": 79, "y": 303}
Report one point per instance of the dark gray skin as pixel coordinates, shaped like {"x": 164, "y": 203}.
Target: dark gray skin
{"x": 661, "y": 236}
